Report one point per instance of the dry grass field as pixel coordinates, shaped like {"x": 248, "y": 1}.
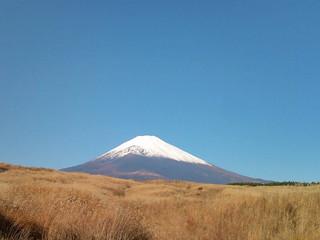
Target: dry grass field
{"x": 47, "y": 204}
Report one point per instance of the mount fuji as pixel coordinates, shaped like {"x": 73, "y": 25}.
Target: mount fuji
{"x": 150, "y": 158}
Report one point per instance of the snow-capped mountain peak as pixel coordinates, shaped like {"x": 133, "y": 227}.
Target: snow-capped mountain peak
{"x": 150, "y": 158}
{"x": 151, "y": 146}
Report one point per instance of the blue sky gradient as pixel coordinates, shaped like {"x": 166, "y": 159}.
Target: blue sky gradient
{"x": 236, "y": 83}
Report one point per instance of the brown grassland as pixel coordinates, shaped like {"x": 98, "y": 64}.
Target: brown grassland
{"x": 38, "y": 203}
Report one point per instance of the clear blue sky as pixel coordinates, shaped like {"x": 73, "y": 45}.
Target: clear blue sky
{"x": 236, "y": 83}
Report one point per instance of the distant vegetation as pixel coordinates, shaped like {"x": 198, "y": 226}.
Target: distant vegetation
{"x": 288, "y": 183}
{"x": 42, "y": 204}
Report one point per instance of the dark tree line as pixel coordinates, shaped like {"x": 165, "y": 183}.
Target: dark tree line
{"x": 285, "y": 183}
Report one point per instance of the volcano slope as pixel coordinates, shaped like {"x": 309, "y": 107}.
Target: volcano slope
{"x": 38, "y": 203}
{"x": 150, "y": 158}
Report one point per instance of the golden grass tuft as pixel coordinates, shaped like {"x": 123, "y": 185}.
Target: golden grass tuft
{"x": 47, "y": 204}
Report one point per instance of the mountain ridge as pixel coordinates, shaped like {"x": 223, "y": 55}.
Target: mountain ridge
{"x": 150, "y": 158}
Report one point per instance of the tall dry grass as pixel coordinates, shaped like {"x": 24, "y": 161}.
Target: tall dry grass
{"x": 48, "y": 204}
{"x": 239, "y": 214}
{"x": 40, "y": 204}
